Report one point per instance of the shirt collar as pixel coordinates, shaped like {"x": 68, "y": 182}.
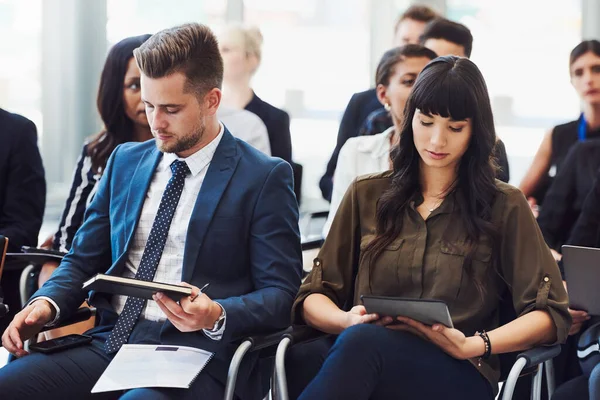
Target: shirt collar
{"x": 377, "y": 146}
{"x": 200, "y": 159}
{"x": 384, "y": 146}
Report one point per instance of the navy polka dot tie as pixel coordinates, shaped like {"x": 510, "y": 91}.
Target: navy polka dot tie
{"x": 151, "y": 257}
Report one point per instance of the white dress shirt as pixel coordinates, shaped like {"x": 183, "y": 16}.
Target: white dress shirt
{"x": 169, "y": 268}
{"x": 360, "y": 155}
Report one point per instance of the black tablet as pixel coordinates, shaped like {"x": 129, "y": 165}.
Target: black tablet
{"x": 426, "y": 311}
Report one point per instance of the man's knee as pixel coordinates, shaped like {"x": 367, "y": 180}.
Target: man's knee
{"x": 363, "y": 338}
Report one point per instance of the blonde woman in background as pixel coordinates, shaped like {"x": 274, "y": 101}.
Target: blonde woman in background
{"x": 241, "y": 49}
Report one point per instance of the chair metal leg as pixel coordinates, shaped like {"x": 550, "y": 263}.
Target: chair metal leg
{"x": 274, "y": 388}
{"x": 23, "y": 284}
{"x": 511, "y": 381}
{"x": 234, "y": 367}
{"x": 549, "y": 368}
{"x": 536, "y": 384}
{"x": 281, "y": 390}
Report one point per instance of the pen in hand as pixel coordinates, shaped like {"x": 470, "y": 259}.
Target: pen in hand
{"x": 202, "y": 289}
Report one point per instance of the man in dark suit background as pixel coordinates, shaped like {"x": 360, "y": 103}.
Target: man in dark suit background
{"x": 194, "y": 205}
{"x": 22, "y": 182}
{"x": 22, "y": 196}
{"x": 408, "y": 29}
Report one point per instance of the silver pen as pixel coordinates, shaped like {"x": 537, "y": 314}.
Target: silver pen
{"x": 192, "y": 298}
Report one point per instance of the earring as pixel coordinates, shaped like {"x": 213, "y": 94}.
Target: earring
{"x": 387, "y": 107}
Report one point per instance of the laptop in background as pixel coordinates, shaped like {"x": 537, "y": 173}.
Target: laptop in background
{"x": 582, "y": 273}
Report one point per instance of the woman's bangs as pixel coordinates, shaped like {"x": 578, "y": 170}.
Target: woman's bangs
{"x": 448, "y": 97}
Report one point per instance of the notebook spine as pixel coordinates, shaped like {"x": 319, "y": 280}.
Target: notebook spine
{"x": 201, "y": 369}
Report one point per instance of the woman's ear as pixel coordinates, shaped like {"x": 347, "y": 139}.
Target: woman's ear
{"x": 382, "y": 95}
{"x": 253, "y": 63}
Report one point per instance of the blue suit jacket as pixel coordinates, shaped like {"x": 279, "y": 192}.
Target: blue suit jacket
{"x": 243, "y": 238}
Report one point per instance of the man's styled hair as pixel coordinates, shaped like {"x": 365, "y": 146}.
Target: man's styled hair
{"x": 417, "y": 13}
{"x": 442, "y": 28}
{"x": 191, "y": 49}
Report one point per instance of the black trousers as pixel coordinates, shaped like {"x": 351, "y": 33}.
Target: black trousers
{"x": 374, "y": 362}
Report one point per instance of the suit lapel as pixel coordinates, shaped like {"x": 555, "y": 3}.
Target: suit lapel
{"x": 140, "y": 182}
{"x": 217, "y": 178}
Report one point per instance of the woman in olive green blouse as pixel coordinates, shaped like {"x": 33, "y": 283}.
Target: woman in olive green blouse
{"x": 439, "y": 226}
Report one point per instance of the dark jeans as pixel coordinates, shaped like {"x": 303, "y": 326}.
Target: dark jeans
{"x": 373, "y": 362}
{"x": 72, "y": 373}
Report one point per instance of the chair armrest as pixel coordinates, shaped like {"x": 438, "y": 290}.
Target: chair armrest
{"x": 262, "y": 342}
{"x": 82, "y": 314}
{"x": 539, "y": 355}
{"x": 37, "y": 256}
{"x": 303, "y": 333}
{"x": 312, "y": 244}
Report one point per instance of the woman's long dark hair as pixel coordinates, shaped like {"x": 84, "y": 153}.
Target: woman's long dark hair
{"x": 449, "y": 87}
{"x": 583, "y": 48}
{"x": 118, "y": 128}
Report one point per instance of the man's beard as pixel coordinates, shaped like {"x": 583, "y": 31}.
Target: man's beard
{"x": 185, "y": 142}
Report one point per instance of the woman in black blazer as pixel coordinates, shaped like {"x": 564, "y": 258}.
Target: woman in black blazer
{"x": 241, "y": 51}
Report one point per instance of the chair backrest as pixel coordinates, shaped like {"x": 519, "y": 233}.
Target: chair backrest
{"x": 3, "y": 249}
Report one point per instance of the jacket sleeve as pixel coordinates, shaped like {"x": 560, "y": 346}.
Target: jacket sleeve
{"x": 281, "y": 138}
{"x": 275, "y": 261}
{"x": 90, "y": 253}
{"x": 23, "y": 211}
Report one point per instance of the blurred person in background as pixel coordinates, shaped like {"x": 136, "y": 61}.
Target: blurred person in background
{"x": 364, "y": 114}
{"x": 241, "y": 49}
{"x": 22, "y": 197}
{"x": 584, "y": 69}
{"x": 246, "y": 126}
{"x": 447, "y": 37}
{"x": 395, "y": 76}
{"x": 568, "y": 215}
{"x": 124, "y": 117}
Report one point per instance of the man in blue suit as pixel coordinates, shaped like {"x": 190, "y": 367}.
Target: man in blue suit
{"x": 194, "y": 205}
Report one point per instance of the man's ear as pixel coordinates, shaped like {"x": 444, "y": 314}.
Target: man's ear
{"x": 212, "y": 100}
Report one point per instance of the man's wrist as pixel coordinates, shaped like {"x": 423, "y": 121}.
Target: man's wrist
{"x": 215, "y": 315}
{"x": 42, "y": 301}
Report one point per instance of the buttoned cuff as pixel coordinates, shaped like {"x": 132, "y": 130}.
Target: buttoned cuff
{"x": 218, "y": 334}
{"x": 49, "y": 300}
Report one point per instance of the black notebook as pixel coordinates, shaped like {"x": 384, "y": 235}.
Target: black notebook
{"x": 135, "y": 287}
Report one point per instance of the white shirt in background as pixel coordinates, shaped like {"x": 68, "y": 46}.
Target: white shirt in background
{"x": 246, "y": 126}
{"x": 360, "y": 155}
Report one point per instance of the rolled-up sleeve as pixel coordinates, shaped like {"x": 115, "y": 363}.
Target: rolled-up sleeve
{"x": 332, "y": 272}
{"x": 529, "y": 268}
